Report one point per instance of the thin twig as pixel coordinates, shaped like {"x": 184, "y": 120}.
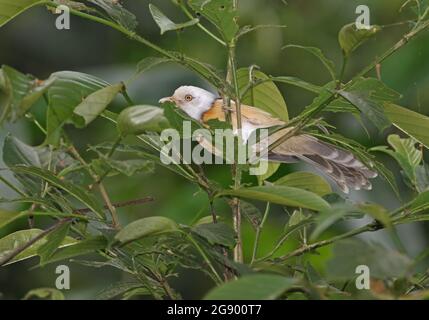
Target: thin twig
{"x": 258, "y": 233}
{"x": 121, "y": 204}
{"x": 101, "y": 187}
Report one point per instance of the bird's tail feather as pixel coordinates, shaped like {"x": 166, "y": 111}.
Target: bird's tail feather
{"x": 342, "y": 166}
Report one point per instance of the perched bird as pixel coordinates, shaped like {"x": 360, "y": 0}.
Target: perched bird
{"x": 342, "y": 166}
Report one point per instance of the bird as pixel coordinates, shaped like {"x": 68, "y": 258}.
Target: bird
{"x": 342, "y": 166}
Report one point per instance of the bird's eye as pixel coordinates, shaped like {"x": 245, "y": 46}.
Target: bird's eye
{"x": 188, "y": 97}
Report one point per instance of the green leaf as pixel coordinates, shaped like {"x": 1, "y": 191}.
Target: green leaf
{"x": 382, "y": 262}
{"x": 283, "y": 195}
{"x": 221, "y": 13}
{"x": 22, "y": 91}
{"x": 117, "y": 289}
{"x": 420, "y": 203}
{"x": 53, "y": 241}
{"x": 216, "y": 233}
{"x": 11, "y": 8}
{"x": 272, "y": 169}
{"x": 94, "y": 104}
{"x": 144, "y": 228}
{"x": 265, "y": 96}
{"x": 377, "y": 212}
{"x": 15, "y": 152}
{"x": 149, "y": 63}
{"x": 422, "y": 174}
{"x": 206, "y": 219}
{"x": 330, "y": 66}
{"x": 369, "y": 96}
{"x": 6, "y": 217}
{"x": 405, "y": 153}
{"x": 74, "y": 190}
{"x": 328, "y": 218}
{"x": 296, "y": 218}
{"x": 19, "y": 238}
{"x": 412, "y": 123}
{"x": 139, "y": 119}
{"x": 307, "y": 181}
{"x": 79, "y": 248}
{"x": 252, "y": 287}
{"x": 350, "y": 37}
{"x": 65, "y": 94}
{"x": 44, "y": 293}
{"x": 117, "y": 13}
{"x": 298, "y": 83}
{"x": 165, "y": 24}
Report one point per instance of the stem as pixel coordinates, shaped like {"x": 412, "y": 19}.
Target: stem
{"x": 126, "y": 96}
{"x": 258, "y": 233}
{"x": 343, "y": 70}
{"x": 204, "y": 256}
{"x": 103, "y": 192}
{"x": 306, "y": 248}
{"x": 235, "y": 169}
{"x": 199, "y": 25}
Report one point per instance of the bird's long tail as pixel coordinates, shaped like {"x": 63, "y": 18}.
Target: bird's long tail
{"x": 342, "y": 166}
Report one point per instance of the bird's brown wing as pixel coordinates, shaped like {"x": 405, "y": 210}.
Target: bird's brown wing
{"x": 342, "y": 166}
{"x": 253, "y": 115}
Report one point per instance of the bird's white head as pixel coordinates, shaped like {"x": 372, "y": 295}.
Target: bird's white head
{"x": 193, "y": 100}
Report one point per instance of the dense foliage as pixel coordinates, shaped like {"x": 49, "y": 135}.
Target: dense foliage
{"x": 59, "y": 181}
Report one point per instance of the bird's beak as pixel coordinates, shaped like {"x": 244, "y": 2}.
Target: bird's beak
{"x": 166, "y": 99}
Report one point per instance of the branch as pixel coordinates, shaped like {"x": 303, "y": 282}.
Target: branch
{"x": 101, "y": 187}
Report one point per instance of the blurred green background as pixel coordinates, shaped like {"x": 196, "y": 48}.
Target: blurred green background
{"x": 32, "y": 44}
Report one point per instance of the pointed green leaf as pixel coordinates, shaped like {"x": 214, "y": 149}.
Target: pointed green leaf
{"x": 412, "y": 123}
{"x": 22, "y": 91}
{"x": 330, "y": 66}
{"x": 53, "y": 241}
{"x": 307, "y": 181}
{"x": 216, "y": 233}
{"x": 139, "y": 119}
{"x": 351, "y": 253}
{"x": 350, "y": 37}
{"x": 252, "y": 287}
{"x": 149, "y": 63}
{"x": 283, "y": 195}
{"x": 45, "y": 293}
{"x": 220, "y": 13}
{"x": 94, "y": 104}
{"x": 74, "y": 190}
{"x": 79, "y": 248}
{"x": 145, "y": 227}
{"x": 65, "y": 94}
{"x": 19, "y": 238}
{"x": 265, "y": 96}
{"x": 165, "y": 24}
{"x": 11, "y": 8}
{"x": 405, "y": 153}
{"x": 117, "y": 13}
